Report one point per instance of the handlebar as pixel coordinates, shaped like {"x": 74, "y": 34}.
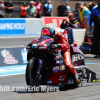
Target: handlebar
{"x": 52, "y": 51}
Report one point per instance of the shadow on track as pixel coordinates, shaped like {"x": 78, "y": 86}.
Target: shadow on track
{"x": 45, "y": 89}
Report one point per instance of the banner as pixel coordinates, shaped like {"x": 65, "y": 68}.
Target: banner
{"x": 55, "y": 20}
{"x": 13, "y": 56}
{"x": 12, "y": 26}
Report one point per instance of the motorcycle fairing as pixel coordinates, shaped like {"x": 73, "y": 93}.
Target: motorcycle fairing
{"x": 76, "y": 50}
{"x": 42, "y": 42}
{"x": 77, "y": 56}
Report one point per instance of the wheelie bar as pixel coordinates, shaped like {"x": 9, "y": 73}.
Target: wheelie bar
{"x": 92, "y": 76}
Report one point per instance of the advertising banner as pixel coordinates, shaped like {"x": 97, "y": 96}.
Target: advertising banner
{"x": 12, "y": 26}
{"x": 55, "y": 20}
{"x": 13, "y": 56}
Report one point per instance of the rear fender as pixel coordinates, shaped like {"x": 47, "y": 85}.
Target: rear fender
{"x": 76, "y": 50}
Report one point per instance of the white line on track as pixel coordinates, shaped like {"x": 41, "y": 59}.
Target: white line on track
{"x": 18, "y": 37}
{"x": 14, "y": 46}
{"x": 12, "y": 75}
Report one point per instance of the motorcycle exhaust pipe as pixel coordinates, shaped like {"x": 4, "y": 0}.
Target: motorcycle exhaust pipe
{"x": 80, "y": 67}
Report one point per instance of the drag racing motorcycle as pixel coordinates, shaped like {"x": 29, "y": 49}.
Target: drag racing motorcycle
{"x": 46, "y": 66}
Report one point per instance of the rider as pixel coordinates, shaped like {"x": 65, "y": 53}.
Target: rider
{"x": 61, "y": 43}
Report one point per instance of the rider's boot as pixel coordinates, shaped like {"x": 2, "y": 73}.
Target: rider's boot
{"x": 75, "y": 76}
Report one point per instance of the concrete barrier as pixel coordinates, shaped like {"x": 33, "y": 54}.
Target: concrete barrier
{"x": 33, "y": 26}
{"x": 18, "y": 27}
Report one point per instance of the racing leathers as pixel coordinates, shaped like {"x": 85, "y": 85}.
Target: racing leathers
{"x": 61, "y": 42}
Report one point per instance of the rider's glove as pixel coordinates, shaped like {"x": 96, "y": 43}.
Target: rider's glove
{"x": 55, "y": 46}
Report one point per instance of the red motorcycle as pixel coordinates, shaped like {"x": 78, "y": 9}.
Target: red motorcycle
{"x": 46, "y": 66}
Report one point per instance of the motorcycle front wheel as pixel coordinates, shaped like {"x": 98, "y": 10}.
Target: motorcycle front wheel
{"x": 34, "y": 80}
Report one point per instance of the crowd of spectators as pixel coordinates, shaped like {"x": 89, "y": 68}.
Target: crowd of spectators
{"x": 6, "y": 9}
{"x": 78, "y": 18}
{"x": 33, "y": 9}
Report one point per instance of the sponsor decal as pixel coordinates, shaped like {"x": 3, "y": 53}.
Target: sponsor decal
{"x": 56, "y": 69}
{"x": 24, "y": 55}
{"x": 8, "y": 58}
{"x": 42, "y": 47}
{"x": 69, "y": 81}
{"x": 35, "y": 45}
{"x": 58, "y": 57}
{"x": 99, "y": 77}
{"x": 55, "y": 20}
{"x": 59, "y": 62}
{"x": 62, "y": 67}
{"x": 49, "y": 82}
{"x": 40, "y": 61}
{"x": 12, "y": 26}
{"x": 77, "y": 57}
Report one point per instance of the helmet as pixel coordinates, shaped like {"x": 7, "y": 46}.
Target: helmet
{"x": 48, "y": 30}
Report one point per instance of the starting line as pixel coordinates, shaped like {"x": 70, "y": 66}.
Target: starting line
{"x": 20, "y": 69}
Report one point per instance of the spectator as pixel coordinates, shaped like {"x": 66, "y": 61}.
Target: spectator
{"x": 84, "y": 15}
{"x": 3, "y": 2}
{"x": 95, "y": 17}
{"x": 2, "y": 11}
{"x": 8, "y": 9}
{"x": 76, "y": 7}
{"x": 76, "y": 12}
{"x": 31, "y": 10}
{"x": 68, "y": 7}
{"x": 24, "y": 11}
{"x": 39, "y": 7}
{"x": 61, "y": 10}
{"x": 86, "y": 5}
{"x": 47, "y": 9}
{"x": 92, "y": 5}
{"x": 70, "y": 22}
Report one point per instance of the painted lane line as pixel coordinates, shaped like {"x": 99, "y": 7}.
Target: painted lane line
{"x": 12, "y": 75}
{"x": 92, "y": 63}
{"x": 12, "y": 37}
{"x": 12, "y": 70}
{"x": 20, "y": 69}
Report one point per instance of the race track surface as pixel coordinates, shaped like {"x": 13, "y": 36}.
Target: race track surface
{"x": 15, "y": 42}
{"x": 89, "y": 91}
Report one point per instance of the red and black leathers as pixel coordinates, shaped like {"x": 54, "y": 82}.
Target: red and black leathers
{"x": 65, "y": 50}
